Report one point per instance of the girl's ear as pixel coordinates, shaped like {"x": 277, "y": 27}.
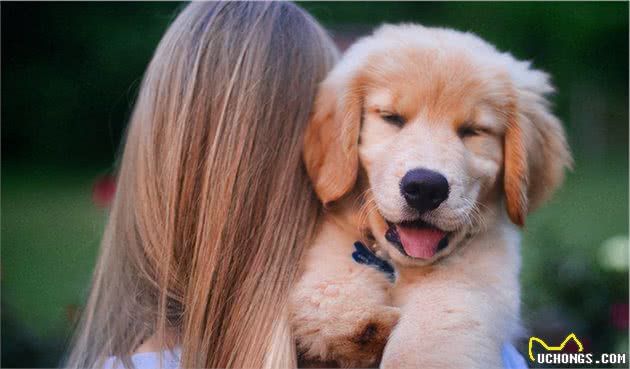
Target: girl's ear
{"x": 535, "y": 149}
{"x": 331, "y": 140}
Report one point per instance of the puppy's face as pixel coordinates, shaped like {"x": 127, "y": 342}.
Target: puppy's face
{"x": 431, "y": 145}
{"x": 446, "y": 129}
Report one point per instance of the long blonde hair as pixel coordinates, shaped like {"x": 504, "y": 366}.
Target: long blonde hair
{"x": 213, "y": 206}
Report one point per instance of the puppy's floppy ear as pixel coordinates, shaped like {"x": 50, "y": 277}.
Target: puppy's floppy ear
{"x": 535, "y": 148}
{"x": 331, "y": 140}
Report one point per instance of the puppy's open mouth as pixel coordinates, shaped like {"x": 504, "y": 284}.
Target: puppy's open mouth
{"x": 417, "y": 239}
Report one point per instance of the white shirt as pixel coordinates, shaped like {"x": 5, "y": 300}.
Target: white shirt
{"x": 148, "y": 360}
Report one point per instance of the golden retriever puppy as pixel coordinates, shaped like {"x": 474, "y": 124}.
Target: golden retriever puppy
{"x": 436, "y": 144}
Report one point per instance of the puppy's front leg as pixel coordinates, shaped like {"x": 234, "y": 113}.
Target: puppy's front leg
{"x": 461, "y": 312}
{"x": 339, "y": 308}
{"x": 443, "y": 331}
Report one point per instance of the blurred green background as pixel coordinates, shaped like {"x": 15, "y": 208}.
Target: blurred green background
{"x": 70, "y": 72}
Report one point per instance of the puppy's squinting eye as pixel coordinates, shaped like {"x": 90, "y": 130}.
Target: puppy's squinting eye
{"x": 393, "y": 118}
{"x": 468, "y": 129}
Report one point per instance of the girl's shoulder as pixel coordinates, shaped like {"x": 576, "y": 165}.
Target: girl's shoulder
{"x": 148, "y": 360}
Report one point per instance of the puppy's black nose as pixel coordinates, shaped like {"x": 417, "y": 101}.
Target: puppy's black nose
{"x": 424, "y": 189}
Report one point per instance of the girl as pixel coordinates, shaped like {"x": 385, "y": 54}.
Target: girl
{"x": 213, "y": 207}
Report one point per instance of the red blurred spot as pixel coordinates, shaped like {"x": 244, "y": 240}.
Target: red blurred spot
{"x": 619, "y": 315}
{"x": 104, "y": 190}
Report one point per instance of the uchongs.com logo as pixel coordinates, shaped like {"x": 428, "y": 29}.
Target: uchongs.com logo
{"x": 553, "y": 355}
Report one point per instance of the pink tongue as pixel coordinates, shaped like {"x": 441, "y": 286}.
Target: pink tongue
{"x": 420, "y": 242}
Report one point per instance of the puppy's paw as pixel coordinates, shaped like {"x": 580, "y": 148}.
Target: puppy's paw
{"x": 363, "y": 346}
{"x": 343, "y": 315}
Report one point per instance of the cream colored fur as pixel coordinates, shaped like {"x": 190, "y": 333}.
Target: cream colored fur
{"x": 458, "y": 308}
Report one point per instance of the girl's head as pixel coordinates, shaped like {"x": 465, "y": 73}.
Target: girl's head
{"x": 213, "y": 206}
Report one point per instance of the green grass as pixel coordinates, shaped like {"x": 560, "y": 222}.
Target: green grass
{"x": 590, "y": 207}
{"x": 567, "y": 232}
{"x": 50, "y": 237}
{"x": 566, "y": 286}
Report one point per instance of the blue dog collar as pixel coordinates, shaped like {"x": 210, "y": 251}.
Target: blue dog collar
{"x": 364, "y": 255}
